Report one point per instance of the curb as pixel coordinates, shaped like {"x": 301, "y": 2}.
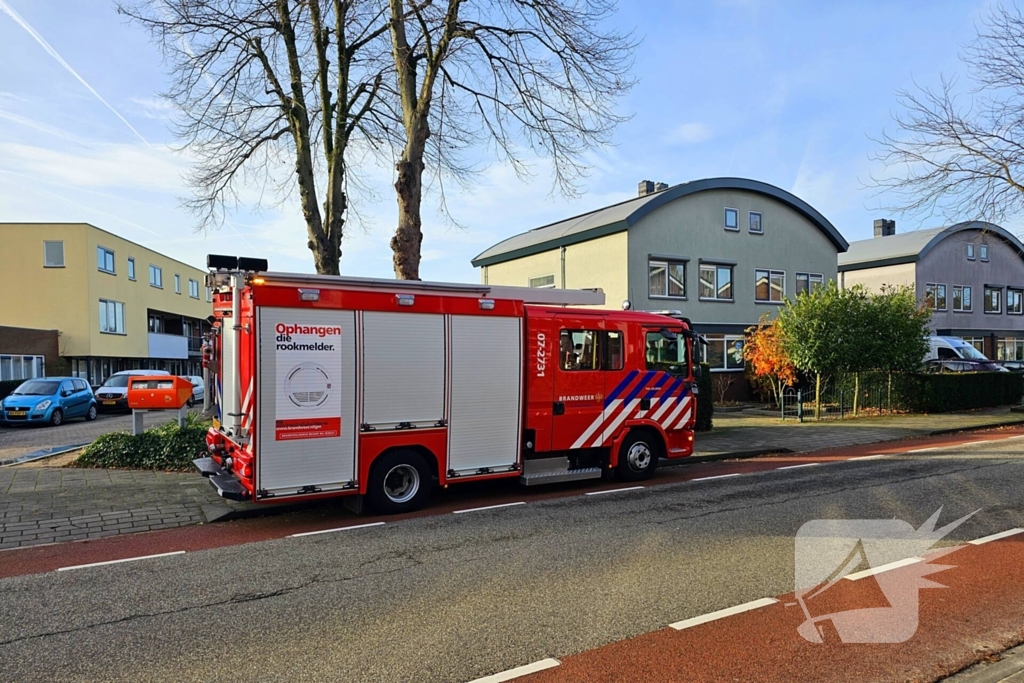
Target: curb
{"x": 1010, "y": 663}
{"x": 729, "y": 455}
{"x": 974, "y": 428}
{"x": 40, "y": 454}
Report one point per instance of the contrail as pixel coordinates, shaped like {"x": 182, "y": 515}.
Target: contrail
{"x": 53, "y": 53}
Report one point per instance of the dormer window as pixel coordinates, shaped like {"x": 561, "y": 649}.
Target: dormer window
{"x": 984, "y": 252}
{"x": 970, "y": 252}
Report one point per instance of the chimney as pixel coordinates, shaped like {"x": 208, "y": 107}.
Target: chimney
{"x": 645, "y": 188}
{"x": 658, "y": 187}
{"x": 885, "y": 227}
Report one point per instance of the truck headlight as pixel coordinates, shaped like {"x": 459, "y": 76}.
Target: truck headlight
{"x": 44, "y": 405}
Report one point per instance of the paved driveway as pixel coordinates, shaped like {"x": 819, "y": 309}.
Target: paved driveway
{"x": 21, "y": 439}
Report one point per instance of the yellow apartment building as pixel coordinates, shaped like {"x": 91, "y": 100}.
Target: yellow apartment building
{"x": 115, "y": 304}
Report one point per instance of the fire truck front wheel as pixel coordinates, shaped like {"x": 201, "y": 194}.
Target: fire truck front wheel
{"x": 638, "y": 455}
{"x": 399, "y": 482}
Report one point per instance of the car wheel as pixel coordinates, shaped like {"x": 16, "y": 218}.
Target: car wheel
{"x": 638, "y": 456}
{"x": 91, "y": 414}
{"x": 57, "y": 417}
{"x": 399, "y": 482}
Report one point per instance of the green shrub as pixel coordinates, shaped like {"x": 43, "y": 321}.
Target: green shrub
{"x": 705, "y": 399}
{"x": 9, "y": 385}
{"x": 940, "y": 393}
{"x": 166, "y": 447}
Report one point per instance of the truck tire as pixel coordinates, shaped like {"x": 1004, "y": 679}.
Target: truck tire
{"x": 399, "y": 482}
{"x": 638, "y": 455}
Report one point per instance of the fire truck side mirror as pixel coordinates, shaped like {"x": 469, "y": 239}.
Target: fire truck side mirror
{"x": 696, "y": 371}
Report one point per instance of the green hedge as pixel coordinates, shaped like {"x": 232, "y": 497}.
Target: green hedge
{"x": 705, "y": 399}
{"x": 940, "y": 393}
{"x": 9, "y": 385}
{"x": 166, "y": 447}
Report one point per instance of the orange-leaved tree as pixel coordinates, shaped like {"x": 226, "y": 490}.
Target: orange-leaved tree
{"x": 766, "y": 356}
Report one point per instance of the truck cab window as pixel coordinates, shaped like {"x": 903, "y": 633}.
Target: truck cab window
{"x": 590, "y": 350}
{"x": 667, "y": 355}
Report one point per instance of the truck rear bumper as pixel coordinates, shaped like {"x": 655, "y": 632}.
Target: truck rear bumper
{"x": 222, "y": 480}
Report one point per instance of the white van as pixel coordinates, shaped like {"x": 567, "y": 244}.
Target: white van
{"x": 952, "y": 348}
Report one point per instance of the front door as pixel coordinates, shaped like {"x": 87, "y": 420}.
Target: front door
{"x": 578, "y": 399}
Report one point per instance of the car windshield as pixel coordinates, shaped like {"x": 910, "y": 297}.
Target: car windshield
{"x": 971, "y": 353}
{"x": 116, "y": 381}
{"x": 37, "y": 388}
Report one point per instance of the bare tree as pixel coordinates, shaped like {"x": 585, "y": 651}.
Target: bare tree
{"x": 540, "y": 76}
{"x": 963, "y": 156}
{"x": 261, "y": 83}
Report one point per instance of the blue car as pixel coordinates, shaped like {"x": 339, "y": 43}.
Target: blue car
{"x": 49, "y": 400}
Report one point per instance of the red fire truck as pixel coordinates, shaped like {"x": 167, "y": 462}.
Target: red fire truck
{"x": 324, "y": 385}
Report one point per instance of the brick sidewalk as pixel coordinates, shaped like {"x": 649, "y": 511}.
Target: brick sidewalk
{"x": 21, "y": 439}
{"x": 47, "y": 505}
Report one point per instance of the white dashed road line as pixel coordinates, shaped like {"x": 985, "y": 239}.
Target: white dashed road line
{"x": 518, "y": 671}
{"x": 876, "y": 456}
{"x": 488, "y": 507}
{"x": 728, "y": 612}
{"x": 717, "y": 476}
{"x": 600, "y": 493}
{"x": 883, "y": 568}
{"x": 996, "y": 537}
{"x": 340, "y": 528}
{"x": 933, "y": 448}
{"x": 793, "y": 467}
{"x": 127, "y": 559}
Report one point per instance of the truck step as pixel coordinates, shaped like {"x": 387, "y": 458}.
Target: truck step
{"x": 229, "y": 487}
{"x": 207, "y": 466}
{"x": 553, "y": 471}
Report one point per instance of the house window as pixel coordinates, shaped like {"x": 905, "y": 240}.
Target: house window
{"x": 808, "y": 282}
{"x": 769, "y": 286}
{"x": 111, "y": 317}
{"x": 131, "y": 268}
{"x": 970, "y": 252}
{"x": 666, "y": 278}
{"x": 105, "y": 260}
{"x": 209, "y": 295}
{"x": 1010, "y": 348}
{"x": 732, "y": 219}
{"x": 53, "y": 254}
{"x": 156, "y": 276}
{"x": 715, "y": 282}
{"x": 935, "y": 296}
{"x": 1013, "y": 301}
{"x": 193, "y": 289}
{"x": 723, "y": 352}
{"x": 590, "y": 350}
{"x": 21, "y": 367}
{"x": 177, "y": 284}
{"x": 156, "y": 324}
{"x": 543, "y": 282}
{"x": 984, "y": 252}
{"x": 993, "y": 299}
{"x": 962, "y": 298}
{"x": 755, "y": 223}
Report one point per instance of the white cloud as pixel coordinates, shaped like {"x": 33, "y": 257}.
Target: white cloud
{"x": 689, "y": 134}
{"x": 152, "y": 107}
{"x": 102, "y": 165}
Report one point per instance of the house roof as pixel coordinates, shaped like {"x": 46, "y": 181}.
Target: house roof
{"x": 622, "y": 216}
{"x": 909, "y": 247}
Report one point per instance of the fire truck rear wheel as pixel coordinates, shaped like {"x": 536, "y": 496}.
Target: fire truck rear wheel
{"x": 400, "y": 482}
{"x": 638, "y": 456}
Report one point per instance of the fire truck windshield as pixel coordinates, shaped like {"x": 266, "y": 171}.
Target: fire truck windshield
{"x": 666, "y": 352}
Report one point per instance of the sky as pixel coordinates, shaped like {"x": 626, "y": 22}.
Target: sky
{"x": 789, "y": 93}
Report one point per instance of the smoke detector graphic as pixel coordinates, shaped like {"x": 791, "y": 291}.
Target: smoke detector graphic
{"x": 307, "y": 385}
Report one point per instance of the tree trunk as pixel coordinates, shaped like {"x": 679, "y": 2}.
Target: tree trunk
{"x": 405, "y": 244}
{"x": 856, "y": 392}
{"x": 817, "y": 396}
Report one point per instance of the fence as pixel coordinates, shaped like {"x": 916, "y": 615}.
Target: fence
{"x": 882, "y": 394}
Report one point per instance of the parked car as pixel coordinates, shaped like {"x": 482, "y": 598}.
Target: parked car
{"x": 198, "y": 389}
{"x": 49, "y": 400}
{"x": 936, "y": 365}
{"x": 1013, "y": 365}
{"x": 113, "y": 393}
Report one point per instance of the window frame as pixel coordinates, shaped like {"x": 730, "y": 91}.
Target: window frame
{"x": 988, "y": 290}
{"x": 209, "y": 295}
{"x": 760, "y": 222}
{"x": 716, "y": 266}
{"x": 100, "y": 249}
{"x": 530, "y": 281}
{"x": 983, "y": 252}
{"x": 934, "y": 287}
{"x": 771, "y": 273}
{"x": 970, "y": 252}
{"x": 1020, "y": 301}
{"x": 726, "y": 339}
{"x": 131, "y": 268}
{"x": 725, "y": 219}
{"x": 159, "y": 272}
{"x": 177, "y": 283}
{"x": 820, "y": 282}
{"x": 668, "y": 263}
{"x": 970, "y": 299}
{"x": 193, "y": 285}
{"x": 604, "y": 359}
{"x": 104, "y": 317}
{"x": 63, "y": 259}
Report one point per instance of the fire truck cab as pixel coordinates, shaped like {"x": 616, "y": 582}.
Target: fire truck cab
{"x": 382, "y": 390}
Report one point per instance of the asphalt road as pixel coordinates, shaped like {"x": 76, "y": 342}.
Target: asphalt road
{"x": 454, "y": 597}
